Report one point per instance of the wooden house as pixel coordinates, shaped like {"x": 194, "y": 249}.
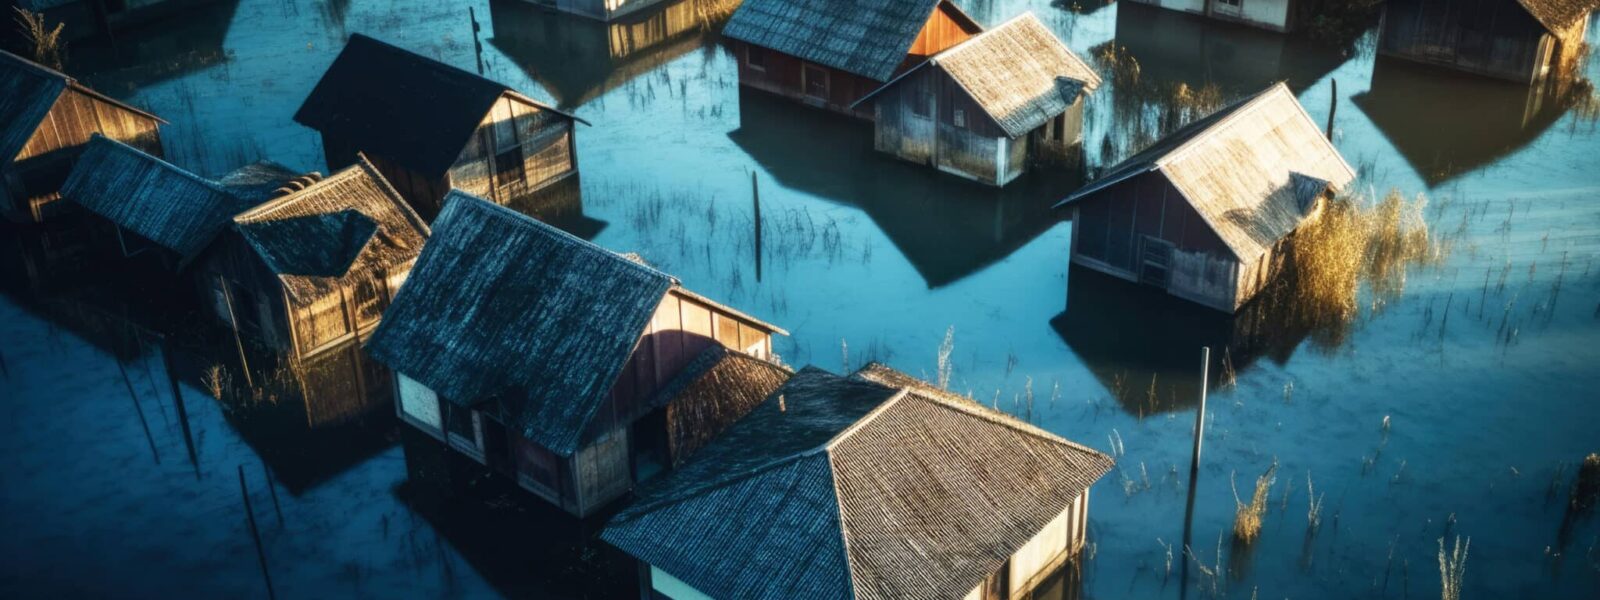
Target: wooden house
{"x": 1274, "y": 15}
{"x": 838, "y": 487}
{"x": 1517, "y": 40}
{"x": 602, "y": 10}
{"x": 988, "y": 107}
{"x": 430, "y": 127}
{"x": 46, "y": 118}
{"x": 1203, "y": 212}
{"x": 541, "y": 355}
{"x": 830, "y": 53}
{"x": 314, "y": 268}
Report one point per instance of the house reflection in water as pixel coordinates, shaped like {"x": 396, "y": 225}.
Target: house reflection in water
{"x": 577, "y": 60}
{"x": 1447, "y": 124}
{"x": 948, "y": 229}
{"x": 1144, "y": 346}
{"x": 1173, "y": 46}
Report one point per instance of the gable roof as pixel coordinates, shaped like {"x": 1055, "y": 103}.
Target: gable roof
{"x": 173, "y": 208}
{"x": 846, "y": 487}
{"x": 869, "y": 38}
{"x": 352, "y": 224}
{"x": 402, "y": 106}
{"x": 28, "y": 90}
{"x": 1246, "y": 168}
{"x": 1019, "y": 73}
{"x": 501, "y": 306}
{"x": 1558, "y": 15}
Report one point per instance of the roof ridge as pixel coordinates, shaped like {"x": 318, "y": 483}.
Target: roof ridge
{"x": 435, "y": 61}
{"x": 844, "y": 526}
{"x": 871, "y": 415}
{"x": 164, "y": 163}
{"x": 506, "y": 214}
{"x": 1243, "y": 106}
{"x": 262, "y": 210}
{"x": 1008, "y": 421}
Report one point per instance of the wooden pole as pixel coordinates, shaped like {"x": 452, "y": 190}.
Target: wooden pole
{"x": 139, "y": 409}
{"x": 255, "y": 534}
{"x": 1333, "y": 107}
{"x": 1194, "y": 473}
{"x": 755, "y": 197}
{"x": 1200, "y": 415}
{"x": 273, "y": 489}
{"x": 238, "y": 341}
{"x": 177, "y": 401}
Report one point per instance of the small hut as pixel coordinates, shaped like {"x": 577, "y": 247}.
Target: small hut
{"x": 539, "y": 354}
{"x": 430, "y": 127}
{"x": 1517, "y": 40}
{"x": 46, "y": 118}
{"x": 838, "y": 487}
{"x": 830, "y": 53}
{"x": 156, "y": 212}
{"x": 1274, "y": 15}
{"x": 1203, "y": 212}
{"x": 989, "y": 106}
{"x": 315, "y": 267}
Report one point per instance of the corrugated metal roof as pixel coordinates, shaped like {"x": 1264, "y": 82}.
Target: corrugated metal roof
{"x": 502, "y": 307}
{"x": 867, "y": 37}
{"x": 1019, "y": 73}
{"x": 1558, "y": 15}
{"x": 926, "y": 494}
{"x": 352, "y": 225}
{"x": 174, "y": 208}
{"x": 400, "y": 105}
{"x": 1244, "y": 168}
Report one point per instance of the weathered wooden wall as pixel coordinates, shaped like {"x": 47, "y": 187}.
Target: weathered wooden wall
{"x": 1110, "y": 227}
{"x": 782, "y": 76}
{"x": 602, "y": 470}
{"x": 35, "y": 175}
{"x": 547, "y": 152}
{"x": 257, "y": 295}
{"x": 944, "y": 29}
{"x": 1490, "y": 37}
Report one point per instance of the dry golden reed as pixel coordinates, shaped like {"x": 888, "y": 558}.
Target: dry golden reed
{"x": 1247, "y": 517}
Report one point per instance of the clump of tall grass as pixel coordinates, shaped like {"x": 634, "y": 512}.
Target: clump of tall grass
{"x": 1314, "y": 511}
{"x": 945, "y": 365}
{"x": 1452, "y": 568}
{"x": 44, "y": 42}
{"x": 1586, "y": 490}
{"x": 1247, "y": 517}
{"x": 1117, "y": 65}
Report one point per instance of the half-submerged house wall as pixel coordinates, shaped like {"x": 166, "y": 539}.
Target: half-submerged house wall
{"x": 519, "y": 149}
{"x": 1145, "y": 231}
{"x": 604, "y": 10}
{"x": 240, "y": 292}
{"x": 32, "y": 179}
{"x": 929, "y": 119}
{"x": 1497, "y": 38}
{"x": 1275, "y": 15}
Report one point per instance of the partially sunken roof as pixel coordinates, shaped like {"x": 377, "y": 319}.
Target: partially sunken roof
{"x": 27, "y": 92}
{"x": 1249, "y": 169}
{"x": 867, "y": 37}
{"x": 845, "y": 487}
{"x": 1019, "y": 73}
{"x": 173, "y": 208}
{"x": 400, "y": 105}
{"x": 1558, "y": 15}
{"x": 352, "y": 224}
{"x": 502, "y": 306}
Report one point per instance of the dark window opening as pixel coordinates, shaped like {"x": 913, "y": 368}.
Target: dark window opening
{"x": 508, "y": 167}
{"x": 755, "y": 57}
{"x": 459, "y": 423}
{"x": 816, "y": 82}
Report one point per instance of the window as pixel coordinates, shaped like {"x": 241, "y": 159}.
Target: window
{"x": 921, "y": 99}
{"x": 959, "y": 119}
{"x": 755, "y": 57}
{"x": 816, "y": 81}
{"x": 1232, "y": 3}
{"x": 508, "y": 168}
{"x": 507, "y": 144}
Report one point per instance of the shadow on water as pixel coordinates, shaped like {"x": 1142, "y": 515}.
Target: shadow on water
{"x": 523, "y": 547}
{"x": 1143, "y": 345}
{"x": 155, "y": 52}
{"x": 1173, "y": 46}
{"x": 561, "y": 204}
{"x": 947, "y": 227}
{"x": 577, "y": 59}
{"x": 1448, "y": 124}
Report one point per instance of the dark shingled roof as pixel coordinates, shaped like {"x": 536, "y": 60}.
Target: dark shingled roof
{"x": 352, "y": 225}
{"x": 1558, "y": 15}
{"x": 500, "y": 306}
{"x": 399, "y": 105}
{"x": 845, "y": 487}
{"x": 717, "y": 388}
{"x": 867, "y": 37}
{"x": 27, "y": 92}
{"x": 175, "y": 209}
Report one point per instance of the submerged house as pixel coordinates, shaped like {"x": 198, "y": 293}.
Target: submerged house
{"x": 830, "y": 53}
{"x": 988, "y": 107}
{"x": 1275, "y": 15}
{"x": 867, "y": 486}
{"x": 46, "y": 119}
{"x": 542, "y": 356}
{"x": 1517, "y": 40}
{"x": 1203, "y": 212}
{"x": 603, "y": 10}
{"x": 429, "y": 127}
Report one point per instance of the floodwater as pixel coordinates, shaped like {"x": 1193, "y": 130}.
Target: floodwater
{"x": 1457, "y": 406}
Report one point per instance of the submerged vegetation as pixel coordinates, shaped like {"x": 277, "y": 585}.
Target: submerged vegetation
{"x": 1452, "y": 568}
{"x": 1247, "y": 517}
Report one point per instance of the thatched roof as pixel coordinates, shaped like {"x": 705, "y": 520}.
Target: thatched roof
{"x": 840, "y": 487}
{"x": 1250, "y": 169}
{"x": 351, "y": 226}
{"x": 867, "y": 37}
{"x": 173, "y": 208}
{"x": 1559, "y": 15}
{"x": 27, "y": 92}
{"x": 503, "y": 307}
{"x": 715, "y": 389}
{"x": 1019, "y": 73}
{"x": 402, "y": 106}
